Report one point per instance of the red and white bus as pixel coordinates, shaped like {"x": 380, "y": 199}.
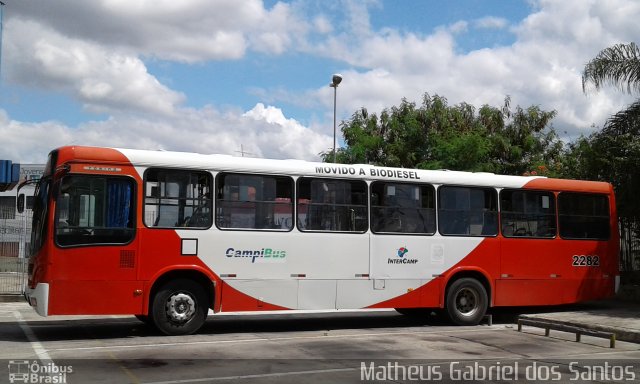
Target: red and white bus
{"x": 166, "y": 236}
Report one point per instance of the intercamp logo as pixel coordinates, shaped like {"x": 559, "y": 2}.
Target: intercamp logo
{"x": 402, "y": 252}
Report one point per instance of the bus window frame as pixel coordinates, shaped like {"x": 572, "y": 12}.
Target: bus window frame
{"x": 553, "y": 194}
{"x": 605, "y": 195}
{"x": 419, "y": 185}
{"x": 367, "y": 204}
{"x": 292, "y": 203}
{"x": 495, "y": 193}
{"x": 133, "y": 208}
{"x": 211, "y": 180}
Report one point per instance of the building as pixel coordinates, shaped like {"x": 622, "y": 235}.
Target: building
{"x": 15, "y": 227}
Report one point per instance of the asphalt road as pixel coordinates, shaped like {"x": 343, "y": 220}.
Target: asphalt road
{"x": 354, "y": 347}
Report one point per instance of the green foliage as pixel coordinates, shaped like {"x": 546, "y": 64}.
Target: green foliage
{"x": 436, "y": 135}
{"x": 613, "y": 153}
{"x": 612, "y": 156}
{"x": 618, "y": 65}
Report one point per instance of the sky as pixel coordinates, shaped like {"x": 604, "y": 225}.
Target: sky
{"x": 227, "y": 76}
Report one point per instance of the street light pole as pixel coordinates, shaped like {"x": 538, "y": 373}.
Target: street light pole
{"x": 1, "y": 17}
{"x": 335, "y": 80}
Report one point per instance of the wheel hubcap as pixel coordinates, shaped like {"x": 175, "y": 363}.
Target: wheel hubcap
{"x": 180, "y": 308}
{"x": 467, "y": 302}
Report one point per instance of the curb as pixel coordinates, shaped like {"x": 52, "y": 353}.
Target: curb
{"x": 12, "y": 298}
{"x": 631, "y": 336}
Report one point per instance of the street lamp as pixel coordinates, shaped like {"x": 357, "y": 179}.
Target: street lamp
{"x": 335, "y": 80}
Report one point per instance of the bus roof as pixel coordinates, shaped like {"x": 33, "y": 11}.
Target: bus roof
{"x": 228, "y": 163}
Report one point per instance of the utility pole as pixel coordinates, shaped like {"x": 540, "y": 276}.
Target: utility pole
{"x": 1, "y": 17}
{"x": 242, "y": 151}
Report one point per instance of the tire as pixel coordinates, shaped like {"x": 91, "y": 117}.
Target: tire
{"x": 179, "y": 307}
{"x": 466, "y": 302}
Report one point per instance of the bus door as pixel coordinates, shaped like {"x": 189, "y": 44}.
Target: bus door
{"x": 94, "y": 266}
{"x": 406, "y": 245}
{"x": 531, "y": 270}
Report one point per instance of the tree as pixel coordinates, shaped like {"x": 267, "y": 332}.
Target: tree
{"x": 619, "y": 66}
{"x": 613, "y": 153}
{"x": 436, "y": 135}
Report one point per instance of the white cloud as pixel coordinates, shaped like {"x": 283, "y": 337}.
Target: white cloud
{"x": 262, "y": 131}
{"x": 185, "y": 30}
{"x": 491, "y": 22}
{"x": 100, "y": 79}
{"x": 542, "y": 67}
{"x": 95, "y": 52}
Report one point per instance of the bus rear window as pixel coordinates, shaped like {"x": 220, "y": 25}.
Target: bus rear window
{"x": 583, "y": 216}
{"x": 94, "y": 210}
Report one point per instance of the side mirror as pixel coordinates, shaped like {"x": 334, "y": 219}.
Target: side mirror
{"x": 20, "y": 203}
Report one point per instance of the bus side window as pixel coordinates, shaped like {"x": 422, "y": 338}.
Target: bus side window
{"x": 247, "y": 201}
{"x": 332, "y": 205}
{"x": 467, "y": 211}
{"x": 94, "y": 210}
{"x": 583, "y": 216}
{"x": 178, "y": 198}
{"x": 402, "y": 208}
{"x": 527, "y": 213}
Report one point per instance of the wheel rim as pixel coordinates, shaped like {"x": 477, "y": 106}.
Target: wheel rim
{"x": 180, "y": 308}
{"x": 467, "y": 302}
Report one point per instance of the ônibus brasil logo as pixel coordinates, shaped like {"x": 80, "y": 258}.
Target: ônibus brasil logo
{"x": 25, "y": 371}
{"x": 402, "y": 251}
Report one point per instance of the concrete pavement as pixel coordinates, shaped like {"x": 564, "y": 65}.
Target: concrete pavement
{"x": 619, "y": 316}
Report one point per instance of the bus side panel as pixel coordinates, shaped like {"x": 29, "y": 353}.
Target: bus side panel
{"x": 357, "y": 294}
{"x": 426, "y": 296}
{"x": 521, "y": 292}
{"x": 483, "y": 259}
{"x": 77, "y": 297}
{"x": 254, "y": 299}
{"x": 549, "y": 272}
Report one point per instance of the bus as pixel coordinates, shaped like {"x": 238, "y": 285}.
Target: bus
{"x": 168, "y": 236}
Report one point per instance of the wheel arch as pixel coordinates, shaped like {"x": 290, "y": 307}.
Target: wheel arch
{"x": 475, "y": 273}
{"x": 193, "y": 273}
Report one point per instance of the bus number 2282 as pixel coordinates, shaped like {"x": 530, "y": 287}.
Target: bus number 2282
{"x": 586, "y": 261}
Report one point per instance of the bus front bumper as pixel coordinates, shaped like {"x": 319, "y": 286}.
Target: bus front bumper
{"x": 38, "y": 298}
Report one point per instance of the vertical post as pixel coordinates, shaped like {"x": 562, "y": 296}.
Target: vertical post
{"x": 1, "y": 26}
{"x": 612, "y": 341}
{"x": 335, "y": 96}
{"x": 335, "y": 80}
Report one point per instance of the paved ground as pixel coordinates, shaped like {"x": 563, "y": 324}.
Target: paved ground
{"x": 619, "y": 317}
{"x": 302, "y": 347}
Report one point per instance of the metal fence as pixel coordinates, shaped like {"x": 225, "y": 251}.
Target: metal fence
{"x": 629, "y": 244}
{"x": 13, "y": 275}
{"x": 15, "y": 232}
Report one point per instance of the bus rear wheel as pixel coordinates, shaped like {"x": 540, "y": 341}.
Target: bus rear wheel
{"x": 466, "y": 301}
{"x": 179, "y": 307}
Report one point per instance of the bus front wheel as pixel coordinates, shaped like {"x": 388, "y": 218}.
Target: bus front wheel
{"x": 179, "y": 307}
{"x": 466, "y": 301}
